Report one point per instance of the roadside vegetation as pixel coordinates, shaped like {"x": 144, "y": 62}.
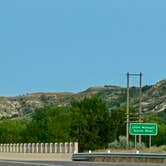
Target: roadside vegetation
{"x": 87, "y": 121}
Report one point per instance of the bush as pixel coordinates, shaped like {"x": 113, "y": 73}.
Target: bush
{"x": 121, "y": 144}
{"x": 155, "y": 149}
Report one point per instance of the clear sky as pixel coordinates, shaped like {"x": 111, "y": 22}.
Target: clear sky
{"x": 71, "y": 45}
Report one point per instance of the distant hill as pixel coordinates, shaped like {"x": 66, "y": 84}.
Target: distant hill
{"x": 153, "y": 99}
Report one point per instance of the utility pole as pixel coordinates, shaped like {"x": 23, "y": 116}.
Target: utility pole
{"x": 140, "y": 101}
{"x": 128, "y": 105}
{"x": 127, "y": 112}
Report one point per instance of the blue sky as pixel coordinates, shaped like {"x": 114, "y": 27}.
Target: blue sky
{"x": 70, "y": 45}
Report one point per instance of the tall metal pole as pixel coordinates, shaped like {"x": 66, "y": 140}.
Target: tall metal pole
{"x": 127, "y": 113}
{"x": 127, "y": 106}
{"x": 140, "y": 105}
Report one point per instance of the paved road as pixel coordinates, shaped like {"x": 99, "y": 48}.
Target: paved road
{"x": 59, "y": 163}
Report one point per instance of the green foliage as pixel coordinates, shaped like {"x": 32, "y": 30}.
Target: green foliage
{"x": 117, "y": 123}
{"x": 11, "y": 131}
{"x": 155, "y": 149}
{"x": 162, "y": 115}
{"x": 160, "y": 139}
{"x": 50, "y": 124}
{"x": 120, "y": 143}
{"x": 134, "y": 92}
{"x": 146, "y": 87}
{"x": 90, "y": 123}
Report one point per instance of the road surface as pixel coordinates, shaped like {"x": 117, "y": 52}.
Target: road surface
{"x": 61, "y": 163}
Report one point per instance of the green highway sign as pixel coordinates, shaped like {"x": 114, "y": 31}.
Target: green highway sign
{"x": 143, "y": 129}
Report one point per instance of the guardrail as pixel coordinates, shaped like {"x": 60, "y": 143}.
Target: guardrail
{"x": 117, "y": 157}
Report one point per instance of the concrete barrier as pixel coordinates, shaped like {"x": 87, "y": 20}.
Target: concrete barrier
{"x": 39, "y": 148}
{"x": 38, "y": 151}
{"x": 36, "y": 156}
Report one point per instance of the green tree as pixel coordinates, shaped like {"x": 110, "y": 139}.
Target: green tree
{"x": 49, "y": 124}
{"x": 90, "y": 123}
{"x": 117, "y": 123}
{"x": 160, "y": 138}
{"x": 11, "y": 131}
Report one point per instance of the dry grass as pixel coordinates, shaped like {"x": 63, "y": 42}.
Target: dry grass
{"x": 153, "y": 149}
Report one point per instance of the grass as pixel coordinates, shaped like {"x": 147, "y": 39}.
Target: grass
{"x": 155, "y": 149}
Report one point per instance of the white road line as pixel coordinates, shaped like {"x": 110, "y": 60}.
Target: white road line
{"x": 29, "y": 163}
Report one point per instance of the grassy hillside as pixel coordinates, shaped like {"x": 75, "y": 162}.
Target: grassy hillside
{"x": 153, "y": 100}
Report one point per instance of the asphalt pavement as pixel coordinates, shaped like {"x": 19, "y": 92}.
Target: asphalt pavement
{"x": 61, "y": 163}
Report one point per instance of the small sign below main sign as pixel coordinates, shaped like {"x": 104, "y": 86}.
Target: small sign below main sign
{"x": 143, "y": 129}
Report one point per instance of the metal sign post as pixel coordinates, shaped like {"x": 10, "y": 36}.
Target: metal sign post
{"x": 150, "y": 141}
{"x": 135, "y": 142}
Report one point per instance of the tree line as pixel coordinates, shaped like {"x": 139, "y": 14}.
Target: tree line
{"x": 88, "y": 121}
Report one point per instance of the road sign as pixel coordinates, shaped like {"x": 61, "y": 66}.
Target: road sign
{"x": 143, "y": 129}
